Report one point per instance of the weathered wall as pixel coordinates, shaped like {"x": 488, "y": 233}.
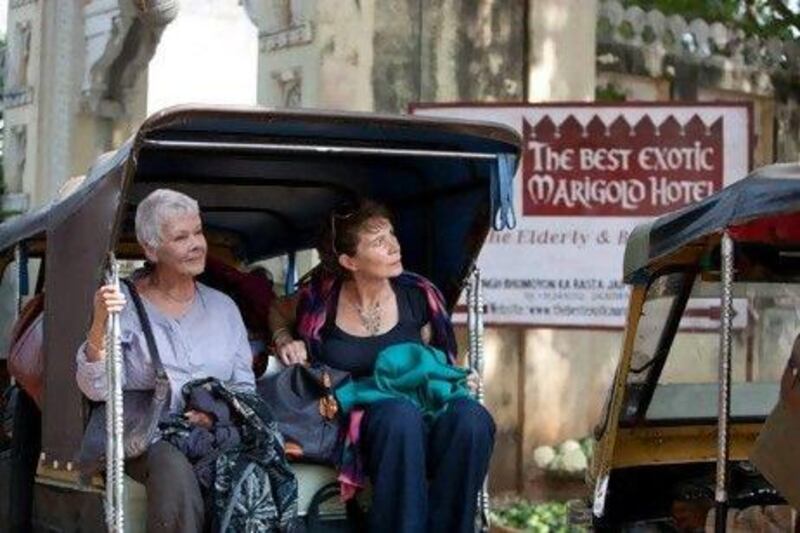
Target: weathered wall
{"x": 346, "y": 53}
{"x": 20, "y": 112}
{"x": 75, "y": 87}
{"x": 396, "y": 74}
{"x": 562, "y": 52}
{"x": 448, "y": 50}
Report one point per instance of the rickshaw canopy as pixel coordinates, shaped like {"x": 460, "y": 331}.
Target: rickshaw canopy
{"x": 763, "y": 207}
{"x": 265, "y": 181}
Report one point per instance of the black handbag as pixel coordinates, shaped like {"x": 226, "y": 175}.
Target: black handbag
{"x": 142, "y": 409}
{"x": 301, "y": 400}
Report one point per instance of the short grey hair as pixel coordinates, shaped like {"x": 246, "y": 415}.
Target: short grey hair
{"x": 159, "y": 206}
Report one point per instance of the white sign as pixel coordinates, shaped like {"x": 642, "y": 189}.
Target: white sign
{"x": 589, "y": 174}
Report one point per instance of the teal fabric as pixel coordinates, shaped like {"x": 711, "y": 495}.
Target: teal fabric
{"x": 412, "y": 371}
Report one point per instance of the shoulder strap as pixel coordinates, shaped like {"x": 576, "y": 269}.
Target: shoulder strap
{"x": 146, "y": 328}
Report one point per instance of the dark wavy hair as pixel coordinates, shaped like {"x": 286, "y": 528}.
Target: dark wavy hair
{"x": 341, "y": 231}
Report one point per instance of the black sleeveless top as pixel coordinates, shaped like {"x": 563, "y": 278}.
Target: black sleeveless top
{"x": 356, "y": 354}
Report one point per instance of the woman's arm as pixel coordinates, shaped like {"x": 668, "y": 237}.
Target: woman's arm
{"x": 282, "y": 318}
{"x": 91, "y": 368}
{"x": 243, "y": 378}
{"x": 282, "y": 314}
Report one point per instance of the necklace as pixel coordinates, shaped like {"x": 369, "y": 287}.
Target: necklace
{"x": 370, "y": 315}
{"x": 182, "y": 301}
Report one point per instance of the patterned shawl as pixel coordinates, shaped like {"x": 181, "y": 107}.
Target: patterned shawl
{"x": 318, "y": 296}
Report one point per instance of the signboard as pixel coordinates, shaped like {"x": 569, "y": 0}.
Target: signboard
{"x": 589, "y": 174}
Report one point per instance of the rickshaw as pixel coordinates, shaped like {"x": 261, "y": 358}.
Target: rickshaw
{"x": 714, "y": 309}
{"x": 265, "y": 181}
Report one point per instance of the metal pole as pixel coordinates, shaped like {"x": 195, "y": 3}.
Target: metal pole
{"x": 115, "y": 451}
{"x": 724, "y": 378}
{"x": 19, "y": 275}
{"x": 315, "y": 149}
{"x": 479, "y": 364}
{"x": 476, "y": 360}
{"x": 18, "y": 295}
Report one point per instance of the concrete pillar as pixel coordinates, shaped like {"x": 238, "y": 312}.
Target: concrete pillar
{"x": 561, "y": 59}
{"x": 58, "y": 101}
{"x": 314, "y": 53}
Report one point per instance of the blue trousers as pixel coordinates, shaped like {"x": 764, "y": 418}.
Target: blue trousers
{"x": 426, "y": 479}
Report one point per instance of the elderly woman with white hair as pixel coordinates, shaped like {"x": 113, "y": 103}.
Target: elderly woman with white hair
{"x": 198, "y": 333}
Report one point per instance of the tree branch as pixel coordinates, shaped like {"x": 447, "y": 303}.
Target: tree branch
{"x": 790, "y": 18}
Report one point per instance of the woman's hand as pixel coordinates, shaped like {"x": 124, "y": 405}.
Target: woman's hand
{"x": 107, "y": 300}
{"x": 199, "y": 419}
{"x": 473, "y": 382}
{"x": 290, "y": 351}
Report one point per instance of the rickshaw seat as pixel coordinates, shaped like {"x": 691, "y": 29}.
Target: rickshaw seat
{"x": 310, "y": 479}
{"x": 135, "y": 506}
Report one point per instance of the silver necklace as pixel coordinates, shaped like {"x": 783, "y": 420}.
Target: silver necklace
{"x": 181, "y": 301}
{"x": 370, "y": 315}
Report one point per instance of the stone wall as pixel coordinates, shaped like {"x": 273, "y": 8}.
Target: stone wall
{"x": 446, "y": 50}
{"x": 75, "y": 87}
{"x": 649, "y": 56}
{"x": 20, "y": 114}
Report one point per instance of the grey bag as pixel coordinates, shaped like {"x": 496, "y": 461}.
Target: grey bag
{"x": 142, "y": 409}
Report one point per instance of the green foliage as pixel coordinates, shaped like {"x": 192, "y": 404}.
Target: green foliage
{"x": 767, "y": 18}
{"x": 536, "y": 517}
{"x": 609, "y": 93}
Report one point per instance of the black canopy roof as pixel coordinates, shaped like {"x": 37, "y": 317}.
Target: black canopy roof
{"x": 769, "y": 191}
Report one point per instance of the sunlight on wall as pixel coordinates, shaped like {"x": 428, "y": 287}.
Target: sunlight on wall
{"x": 208, "y": 54}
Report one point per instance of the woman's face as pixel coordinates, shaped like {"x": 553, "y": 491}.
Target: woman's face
{"x": 183, "y": 245}
{"x": 378, "y": 252}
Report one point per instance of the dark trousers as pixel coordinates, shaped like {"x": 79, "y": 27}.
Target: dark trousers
{"x": 174, "y": 500}
{"x": 426, "y": 479}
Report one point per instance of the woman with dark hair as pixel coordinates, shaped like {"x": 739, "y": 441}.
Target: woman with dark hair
{"x": 425, "y": 474}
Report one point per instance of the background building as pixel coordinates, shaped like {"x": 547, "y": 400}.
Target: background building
{"x": 81, "y": 75}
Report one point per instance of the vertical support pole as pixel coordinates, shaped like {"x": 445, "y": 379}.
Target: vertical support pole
{"x": 724, "y": 378}
{"x": 522, "y": 384}
{"x": 291, "y": 273}
{"x": 476, "y": 361}
{"x": 18, "y": 296}
{"x": 115, "y": 451}
{"x": 19, "y": 272}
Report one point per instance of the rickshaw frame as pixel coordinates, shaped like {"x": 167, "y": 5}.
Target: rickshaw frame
{"x": 747, "y": 212}
{"x": 265, "y": 179}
